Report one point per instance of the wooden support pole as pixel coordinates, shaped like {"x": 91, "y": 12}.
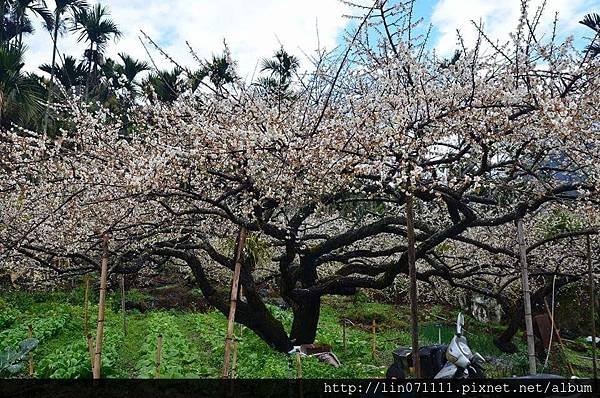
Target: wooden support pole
{"x": 123, "y": 310}
{"x": 592, "y": 302}
{"x": 86, "y": 305}
{"x": 374, "y": 338}
{"x": 526, "y": 298}
{"x": 96, "y": 369}
{"x": 412, "y": 270}
{"x": 159, "y": 344}
{"x": 558, "y": 338}
{"x": 234, "y": 359}
{"x": 344, "y": 334}
{"x": 233, "y": 301}
{"x": 298, "y": 366}
{"x": 299, "y": 374}
{"x": 30, "y": 334}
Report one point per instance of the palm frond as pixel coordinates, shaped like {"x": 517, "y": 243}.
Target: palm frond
{"x": 592, "y": 21}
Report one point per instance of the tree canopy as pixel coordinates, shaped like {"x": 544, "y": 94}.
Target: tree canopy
{"x": 499, "y": 133}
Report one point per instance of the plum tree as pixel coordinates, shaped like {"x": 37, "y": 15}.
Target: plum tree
{"x": 497, "y": 133}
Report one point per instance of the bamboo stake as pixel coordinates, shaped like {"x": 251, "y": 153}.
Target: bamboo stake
{"x": 558, "y": 338}
{"x": 526, "y": 298}
{"x": 592, "y": 301}
{"x": 374, "y": 338}
{"x": 233, "y": 301}
{"x": 30, "y": 334}
{"x": 101, "y": 309}
{"x": 159, "y": 344}
{"x": 344, "y": 335}
{"x": 298, "y": 366}
{"x": 123, "y": 311}
{"x": 412, "y": 270}
{"x": 299, "y": 374}
{"x": 234, "y": 359}
{"x": 86, "y": 304}
{"x": 90, "y": 343}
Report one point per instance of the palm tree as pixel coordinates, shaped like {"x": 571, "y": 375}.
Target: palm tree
{"x": 71, "y": 73}
{"x": 62, "y": 7}
{"x": 20, "y": 92}
{"x": 8, "y": 23}
{"x": 220, "y": 71}
{"x": 11, "y": 28}
{"x": 164, "y": 84}
{"x": 95, "y": 26}
{"x": 130, "y": 69}
{"x": 3, "y": 9}
{"x": 119, "y": 85}
{"x": 592, "y": 21}
{"x": 280, "y": 69}
{"x": 37, "y": 7}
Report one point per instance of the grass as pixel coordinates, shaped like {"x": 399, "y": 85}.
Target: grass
{"x": 194, "y": 342}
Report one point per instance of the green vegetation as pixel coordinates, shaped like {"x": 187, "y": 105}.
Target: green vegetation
{"x": 193, "y": 343}
{"x": 11, "y": 360}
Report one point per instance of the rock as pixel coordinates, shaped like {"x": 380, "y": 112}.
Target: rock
{"x": 322, "y": 352}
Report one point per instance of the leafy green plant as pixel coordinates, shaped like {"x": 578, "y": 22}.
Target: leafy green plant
{"x": 7, "y": 317}
{"x": 175, "y": 350}
{"x": 43, "y": 329}
{"x": 69, "y": 362}
{"x": 11, "y": 361}
{"x": 72, "y": 361}
{"x": 560, "y": 221}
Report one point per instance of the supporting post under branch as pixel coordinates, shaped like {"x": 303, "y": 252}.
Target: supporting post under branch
{"x": 592, "y": 302}
{"x": 233, "y": 301}
{"x": 526, "y": 298}
{"x": 412, "y": 270}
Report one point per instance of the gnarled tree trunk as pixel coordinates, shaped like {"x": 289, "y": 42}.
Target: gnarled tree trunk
{"x": 306, "y": 320}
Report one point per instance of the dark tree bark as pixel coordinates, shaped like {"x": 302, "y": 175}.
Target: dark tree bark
{"x": 252, "y": 313}
{"x": 306, "y": 320}
{"x": 517, "y": 314}
{"x": 504, "y": 340}
{"x": 256, "y": 316}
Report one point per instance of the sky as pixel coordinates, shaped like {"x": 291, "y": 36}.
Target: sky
{"x": 255, "y": 29}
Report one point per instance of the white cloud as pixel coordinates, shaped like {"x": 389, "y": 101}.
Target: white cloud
{"x": 500, "y": 18}
{"x": 253, "y": 29}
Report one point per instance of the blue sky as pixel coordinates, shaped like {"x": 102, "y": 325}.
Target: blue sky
{"x": 256, "y": 28}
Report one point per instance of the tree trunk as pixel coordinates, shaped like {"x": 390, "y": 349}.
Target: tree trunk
{"x": 87, "y": 81}
{"x": 52, "y": 72}
{"x": 255, "y": 315}
{"x": 307, "y": 309}
{"x": 504, "y": 341}
{"x": 516, "y": 312}
{"x": 306, "y": 320}
{"x": 252, "y": 313}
